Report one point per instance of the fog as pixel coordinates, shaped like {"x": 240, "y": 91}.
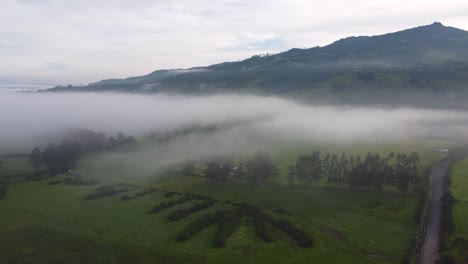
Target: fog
{"x": 244, "y": 122}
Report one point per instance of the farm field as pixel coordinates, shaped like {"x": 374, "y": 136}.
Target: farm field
{"x": 346, "y": 225}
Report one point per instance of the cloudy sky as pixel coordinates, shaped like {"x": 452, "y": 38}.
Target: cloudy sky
{"x": 80, "y": 41}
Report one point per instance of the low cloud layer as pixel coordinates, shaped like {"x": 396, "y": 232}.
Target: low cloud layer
{"x": 27, "y": 119}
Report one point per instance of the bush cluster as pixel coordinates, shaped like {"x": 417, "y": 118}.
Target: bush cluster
{"x": 181, "y": 213}
{"x": 199, "y": 224}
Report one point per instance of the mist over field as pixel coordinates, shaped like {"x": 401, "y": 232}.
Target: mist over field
{"x": 242, "y": 121}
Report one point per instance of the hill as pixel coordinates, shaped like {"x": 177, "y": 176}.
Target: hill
{"x": 413, "y": 66}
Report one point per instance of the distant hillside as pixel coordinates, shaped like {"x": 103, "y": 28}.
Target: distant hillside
{"x": 406, "y": 67}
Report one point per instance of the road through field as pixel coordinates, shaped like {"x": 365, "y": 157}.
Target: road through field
{"x": 430, "y": 247}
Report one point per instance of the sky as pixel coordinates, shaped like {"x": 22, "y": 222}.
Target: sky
{"x": 81, "y": 41}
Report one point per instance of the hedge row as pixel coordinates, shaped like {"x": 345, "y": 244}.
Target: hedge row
{"x": 228, "y": 224}
{"x": 199, "y": 224}
{"x": 3, "y": 190}
{"x": 138, "y": 194}
{"x": 164, "y": 205}
{"x": 181, "y": 213}
{"x": 78, "y": 181}
{"x": 107, "y": 190}
{"x": 302, "y": 238}
{"x": 261, "y": 229}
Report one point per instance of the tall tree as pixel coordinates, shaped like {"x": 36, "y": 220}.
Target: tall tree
{"x": 261, "y": 169}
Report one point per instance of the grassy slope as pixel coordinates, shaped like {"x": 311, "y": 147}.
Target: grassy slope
{"x": 347, "y": 225}
{"x": 459, "y": 188}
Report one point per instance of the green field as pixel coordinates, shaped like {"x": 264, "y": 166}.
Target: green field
{"x": 44, "y": 223}
{"x": 458, "y": 241}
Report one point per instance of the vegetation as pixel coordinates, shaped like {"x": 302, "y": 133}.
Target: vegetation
{"x": 181, "y": 213}
{"x": 199, "y": 224}
{"x": 356, "y": 216}
{"x": 146, "y": 191}
{"x": 372, "y": 173}
{"x": 78, "y": 180}
{"x": 108, "y": 190}
{"x": 62, "y": 158}
{"x": 165, "y": 205}
{"x": 455, "y": 212}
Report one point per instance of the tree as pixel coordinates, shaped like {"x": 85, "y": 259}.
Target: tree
{"x": 218, "y": 169}
{"x": 261, "y": 169}
{"x": 35, "y": 158}
{"x": 291, "y": 175}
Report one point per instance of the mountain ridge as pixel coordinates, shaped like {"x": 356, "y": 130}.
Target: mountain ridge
{"x": 430, "y": 59}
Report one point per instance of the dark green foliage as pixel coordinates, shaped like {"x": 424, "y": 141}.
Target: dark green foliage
{"x": 55, "y": 182}
{"x": 107, "y": 190}
{"x": 60, "y": 158}
{"x": 446, "y": 258}
{"x": 446, "y": 223}
{"x": 261, "y": 169}
{"x": 170, "y": 194}
{"x": 181, "y": 213}
{"x": 165, "y": 205}
{"x": 35, "y": 158}
{"x": 199, "y": 224}
{"x": 77, "y": 180}
{"x": 228, "y": 224}
{"x": 3, "y": 190}
{"x": 261, "y": 229}
{"x": 146, "y": 191}
{"x": 371, "y": 174}
{"x": 302, "y": 238}
{"x": 283, "y": 211}
{"x": 218, "y": 169}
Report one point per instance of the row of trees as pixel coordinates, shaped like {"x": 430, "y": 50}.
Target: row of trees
{"x": 371, "y": 173}
{"x": 60, "y": 158}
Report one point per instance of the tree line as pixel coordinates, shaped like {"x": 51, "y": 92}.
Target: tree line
{"x": 60, "y": 158}
{"x": 373, "y": 172}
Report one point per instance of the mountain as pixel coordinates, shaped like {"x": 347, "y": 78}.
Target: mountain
{"x": 406, "y": 66}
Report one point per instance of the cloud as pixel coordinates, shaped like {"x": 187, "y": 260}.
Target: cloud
{"x": 253, "y": 120}
{"x": 117, "y": 38}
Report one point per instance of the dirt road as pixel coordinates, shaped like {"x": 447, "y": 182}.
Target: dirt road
{"x": 430, "y": 247}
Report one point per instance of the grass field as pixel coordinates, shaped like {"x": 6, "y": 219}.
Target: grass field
{"x": 458, "y": 242}
{"x": 347, "y": 226}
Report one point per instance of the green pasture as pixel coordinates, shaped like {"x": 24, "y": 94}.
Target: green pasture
{"x": 347, "y": 226}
